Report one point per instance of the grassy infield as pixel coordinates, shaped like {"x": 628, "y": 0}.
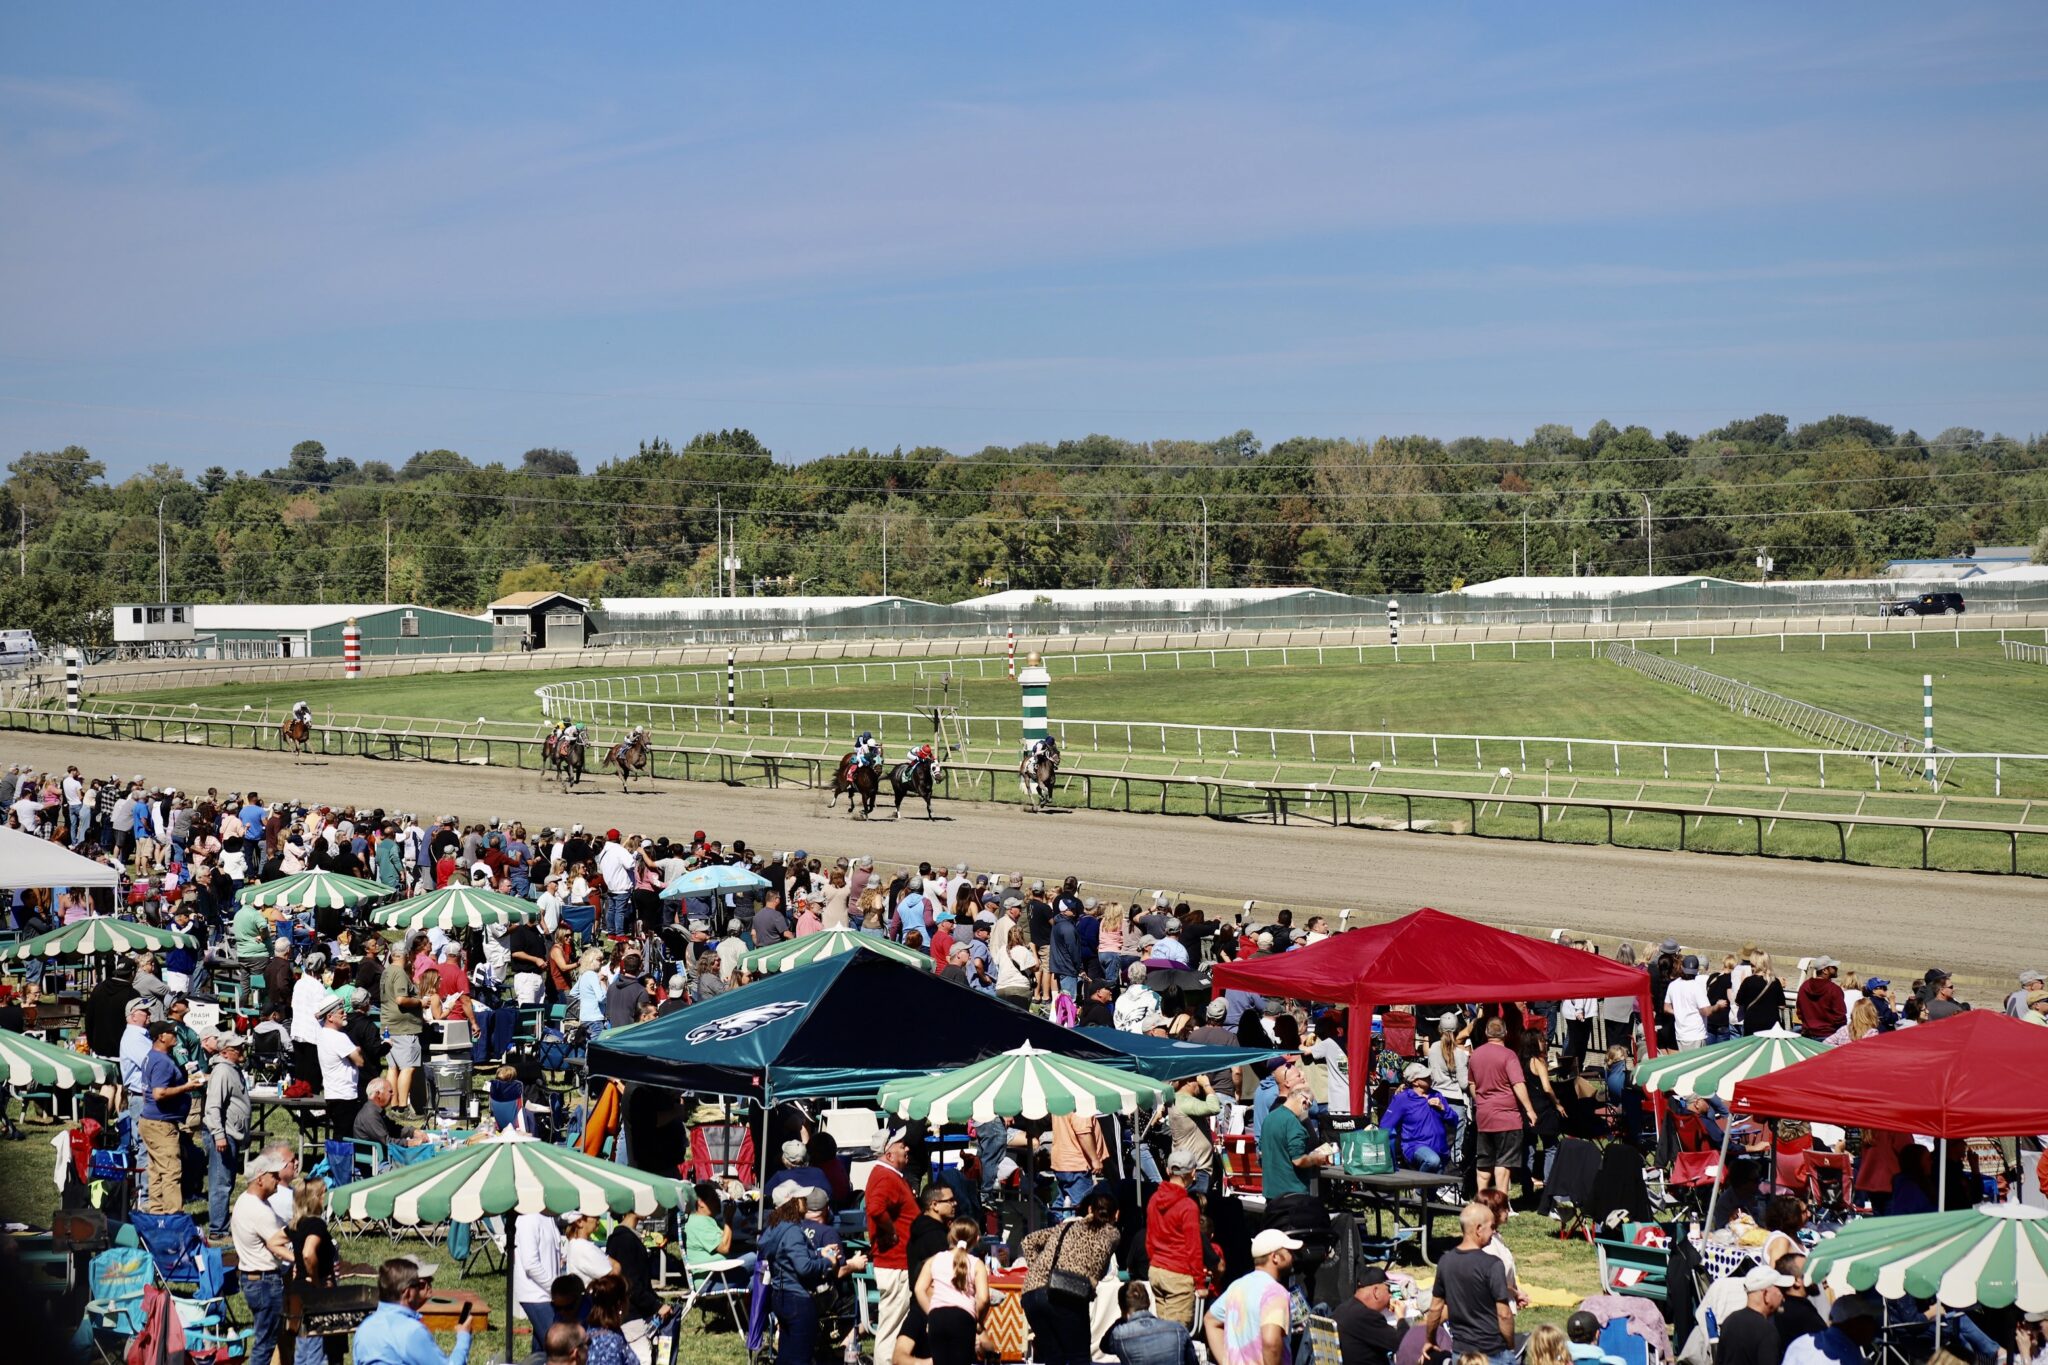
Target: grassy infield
{"x": 1982, "y": 703}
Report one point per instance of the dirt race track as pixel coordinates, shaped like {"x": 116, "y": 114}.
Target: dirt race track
{"x": 1982, "y": 928}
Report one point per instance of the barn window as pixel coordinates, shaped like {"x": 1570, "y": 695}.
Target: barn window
{"x": 409, "y": 626}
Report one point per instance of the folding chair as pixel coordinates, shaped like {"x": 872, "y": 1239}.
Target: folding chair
{"x": 721, "y": 1149}
{"x": 1323, "y": 1347}
{"x": 475, "y": 1246}
{"x": 709, "y": 1284}
{"x": 1616, "y": 1340}
{"x": 180, "y": 1252}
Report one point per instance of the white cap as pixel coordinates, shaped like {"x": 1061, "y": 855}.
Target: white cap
{"x": 1762, "y": 1278}
{"x": 789, "y": 1190}
{"x": 1273, "y": 1239}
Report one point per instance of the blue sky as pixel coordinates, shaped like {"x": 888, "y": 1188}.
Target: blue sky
{"x": 228, "y": 228}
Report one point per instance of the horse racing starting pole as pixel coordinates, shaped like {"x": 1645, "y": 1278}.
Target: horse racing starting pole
{"x": 1394, "y": 627}
{"x": 1927, "y": 721}
{"x": 1036, "y": 682}
{"x": 74, "y": 677}
{"x": 351, "y": 649}
{"x": 1012, "y": 632}
{"x": 731, "y": 688}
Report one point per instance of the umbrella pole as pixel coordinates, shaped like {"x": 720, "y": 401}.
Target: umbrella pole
{"x": 511, "y": 1262}
{"x": 1721, "y": 1172}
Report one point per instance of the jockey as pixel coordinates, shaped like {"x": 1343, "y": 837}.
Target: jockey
{"x": 923, "y": 754}
{"x": 867, "y": 751}
{"x": 1045, "y": 747}
{"x": 302, "y": 711}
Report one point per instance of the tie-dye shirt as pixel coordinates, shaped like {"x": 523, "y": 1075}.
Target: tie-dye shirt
{"x": 1250, "y": 1304}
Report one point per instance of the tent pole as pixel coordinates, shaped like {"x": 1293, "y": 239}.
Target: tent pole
{"x": 1358, "y": 1051}
{"x": 1940, "y": 1206}
{"x": 1720, "y": 1174}
{"x": 511, "y": 1263}
{"x": 761, "y": 1218}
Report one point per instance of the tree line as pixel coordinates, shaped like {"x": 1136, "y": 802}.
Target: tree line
{"x": 1832, "y": 498}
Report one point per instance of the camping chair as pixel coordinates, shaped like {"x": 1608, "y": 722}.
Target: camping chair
{"x": 1240, "y": 1163}
{"x": 1616, "y": 1340}
{"x": 476, "y": 1245}
{"x": 1631, "y": 1269}
{"x": 1570, "y": 1187}
{"x": 709, "y": 1284}
{"x": 721, "y": 1149}
{"x": 1323, "y": 1347}
{"x": 114, "y": 1312}
{"x": 180, "y": 1252}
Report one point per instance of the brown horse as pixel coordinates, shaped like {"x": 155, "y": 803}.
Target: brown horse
{"x": 859, "y": 783}
{"x": 1035, "y": 775}
{"x": 629, "y": 756}
{"x": 563, "y": 757}
{"x": 294, "y": 735}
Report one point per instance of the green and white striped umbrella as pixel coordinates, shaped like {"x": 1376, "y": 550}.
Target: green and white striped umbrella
{"x": 1995, "y": 1255}
{"x": 315, "y": 891}
{"x": 98, "y": 934}
{"x": 30, "y": 1061}
{"x": 1718, "y": 1069}
{"x": 802, "y": 952}
{"x": 1025, "y": 1082}
{"x": 455, "y": 907}
{"x": 509, "y": 1172}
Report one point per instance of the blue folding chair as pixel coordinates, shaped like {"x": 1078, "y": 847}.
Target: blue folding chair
{"x": 180, "y": 1251}
{"x": 1616, "y": 1340}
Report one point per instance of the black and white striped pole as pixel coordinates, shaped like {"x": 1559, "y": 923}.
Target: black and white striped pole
{"x": 1394, "y": 627}
{"x": 74, "y": 678}
{"x": 731, "y": 688}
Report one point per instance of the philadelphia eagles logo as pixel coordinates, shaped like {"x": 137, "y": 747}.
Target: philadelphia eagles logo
{"x": 745, "y": 1022}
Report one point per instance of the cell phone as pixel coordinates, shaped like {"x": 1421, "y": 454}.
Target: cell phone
{"x": 463, "y": 1316}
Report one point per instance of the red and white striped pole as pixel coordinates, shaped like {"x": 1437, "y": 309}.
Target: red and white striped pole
{"x": 1013, "y": 651}
{"x": 351, "y": 650}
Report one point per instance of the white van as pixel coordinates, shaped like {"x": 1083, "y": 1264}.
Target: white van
{"x": 18, "y": 649}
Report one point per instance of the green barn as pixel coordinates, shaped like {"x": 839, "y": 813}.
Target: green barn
{"x": 313, "y": 631}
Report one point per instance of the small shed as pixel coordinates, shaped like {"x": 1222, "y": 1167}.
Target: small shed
{"x": 540, "y": 620}
{"x": 313, "y": 630}
{"x": 153, "y": 623}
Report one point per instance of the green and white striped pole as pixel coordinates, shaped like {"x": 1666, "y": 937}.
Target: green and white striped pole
{"x": 1927, "y": 721}
{"x": 1035, "y": 682}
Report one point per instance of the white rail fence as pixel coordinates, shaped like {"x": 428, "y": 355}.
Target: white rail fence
{"x": 2018, "y": 652}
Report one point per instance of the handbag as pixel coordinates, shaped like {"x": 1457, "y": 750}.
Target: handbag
{"x": 1365, "y": 1151}
{"x": 1063, "y": 1283}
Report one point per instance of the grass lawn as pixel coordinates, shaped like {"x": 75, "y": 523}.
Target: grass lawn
{"x": 28, "y": 1196}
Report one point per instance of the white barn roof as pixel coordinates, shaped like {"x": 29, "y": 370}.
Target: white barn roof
{"x": 294, "y": 615}
{"x": 764, "y": 608}
{"x": 1588, "y": 585}
{"x": 1163, "y": 599}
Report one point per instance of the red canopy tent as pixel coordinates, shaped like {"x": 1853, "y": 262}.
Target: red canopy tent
{"x": 1961, "y": 1077}
{"x": 1429, "y": 956}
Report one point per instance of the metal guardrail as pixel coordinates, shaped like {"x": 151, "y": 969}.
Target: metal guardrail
{"x": 1831, "y": 727}
{"x": 1223, "y": 798}
{"x": 2019, "y": 652}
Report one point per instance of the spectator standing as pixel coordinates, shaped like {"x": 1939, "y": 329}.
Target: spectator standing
{"x": 1285, "y": 1159}
{"x": 395, "y": 1335}
{"x": 1941, "y": 996}
{"x": 891, "y": 1209}
{"x": 1687, "y": 1003}
{"x": 1820, "y": 1004}
{"x": 1760, "y": 998}
{"x": 1500, "y": 1102}
{"x": 1471, "y": 1293}
{"x": 952, "y": 1290}
{"x": 166, "y": 1104}
{"x": 261, "y": 1253}
{"x": 1247, "y": 1325}
{"x": 1077, "y": 1252}
{"x": 226, "y": 1114}
{"x": 538, "y": 1260}
{"x": 341, "y": 1065}
{"x": 1173, "y": 1241}
{"x": 1078, "y": 1155}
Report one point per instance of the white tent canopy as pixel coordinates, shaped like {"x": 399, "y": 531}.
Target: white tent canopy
{"x": 28, "y": 861}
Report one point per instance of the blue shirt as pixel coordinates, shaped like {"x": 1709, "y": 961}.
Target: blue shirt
{"x": 394, "y": 1335}
{"x": 1412, "y": 1122}
{"x": 253, "y": 816}
{"x": 1235, "y": 1003}
{"x": 1148, "y": 1339}
{"x": 589, "y": 993}
{"x": 160, "y": 1069}
{"x": 910, "y": 914}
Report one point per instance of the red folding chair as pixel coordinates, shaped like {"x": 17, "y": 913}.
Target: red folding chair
{"x": 722, "y": 1149}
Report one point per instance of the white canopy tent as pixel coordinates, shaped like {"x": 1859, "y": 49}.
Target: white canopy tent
{"x": 28, "y": 861}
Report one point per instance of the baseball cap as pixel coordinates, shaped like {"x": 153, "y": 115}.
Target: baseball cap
{"x": 1218, "y": 1008}
{"x": 2031, "y": 975}
{"x": 424, "y": 1269}
{"x": 612, "y": 835}
{"x": 1690, "y": 963}
{"x": 1372, "y": 1275}
{"x": 1763, "y": 1277}
{"x": 1937, "y": 974}
{"x": 1273, "y": 1239}
{"x": 815, "y": 1198}
{"x": 1877, "y": 983}
{"x": 1414, "y": 1071}
{"x": 1850, "y": 1307}
{"x": 1180, "y": 1162}
{"x": 2036, "y": 997}
{"x": 224, "y": 1041}
{"x": 789, "y": 1190}
{"x": 1582, "y": 1327}
{"x": 265, "y": 1164}
{"x": 793, "y": 1153}
{"x": 1823, "y": 962}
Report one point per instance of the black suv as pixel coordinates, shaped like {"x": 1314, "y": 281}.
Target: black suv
{"x": 1926, "y": 604}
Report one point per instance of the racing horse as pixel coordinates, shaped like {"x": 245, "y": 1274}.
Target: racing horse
{"x": 859, "y": 783}
{"x": 563, "y": 756}
{"x": 913, "y": 777}
{"x": 629, "y": 756}
{"x": 295, "y": 734}
{"x": 1035, "y": 776}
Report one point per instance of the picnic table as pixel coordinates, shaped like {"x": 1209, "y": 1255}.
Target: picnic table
{"x": 1405, "y": 1197}
{"x": 308, "y": 1112}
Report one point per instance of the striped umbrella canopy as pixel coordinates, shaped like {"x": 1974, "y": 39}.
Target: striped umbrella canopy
{"x": 1025, "y": 1082}
{"x": 802, "y": 952}
{"x": 1716, "y": 1070}
{"x": 98, "y": 934}
{"x": 315, "y": 891}
{"x": 507, "y": 1173}
{"x": 713, "y": 880}
{"x": 1995, "y": 1255}
{"x": 455, "y": 907}
{"x": 30, "y": 1061}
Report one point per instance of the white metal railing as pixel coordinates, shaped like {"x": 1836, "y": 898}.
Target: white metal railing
{"x": 1747, "y": 699}
{"x": 2020, "y": 652}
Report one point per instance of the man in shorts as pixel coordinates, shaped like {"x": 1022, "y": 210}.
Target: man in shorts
{"x": 1500, "y": 1101}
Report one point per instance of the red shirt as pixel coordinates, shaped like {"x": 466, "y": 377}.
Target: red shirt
{"x": 1821, "y": 1006}
{"x": 1173, "y": 1231}
{"x": 889, "y": 1200}
{"x": 1494, "y": 1073}
{"x": 942, "y": 946}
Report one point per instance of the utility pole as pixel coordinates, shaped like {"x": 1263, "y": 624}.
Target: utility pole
{"x": 885, "y": 554}
{"x": 1649, "y": 536}
{"x": 718, "y": 582}
{"x": 387, "y": 557}
{"x": 163, "y": 569}
{"x": 1205, "y": 542}
{"x": 24, "y": 542}
{"x": 1525, "y": 540}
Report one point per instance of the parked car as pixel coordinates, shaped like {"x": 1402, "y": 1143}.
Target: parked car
{"x": 1926, "y": 604}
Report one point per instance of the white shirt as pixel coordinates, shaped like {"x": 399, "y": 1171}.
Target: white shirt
{"x": 1170, "y": 950}
{"x": 252, "y": 1224}
{"x": 1581, "y": 1008}
{"x": 74, "y": 791}
{"x": 1134, "y": 1007}
{"x": 1687, "y": 998}
{"x": 338, "y": 1079}
{"x": 617, "y": 866}
{"x": 585, "y": 1259}
{"x": 550, "y": 906}
{"x": 307, "y": 993}
{"x": 537, "y": 1257}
